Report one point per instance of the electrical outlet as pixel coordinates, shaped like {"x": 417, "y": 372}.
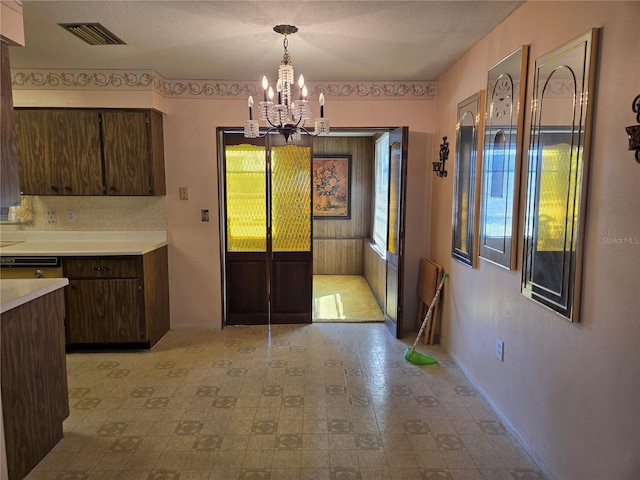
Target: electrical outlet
{"x": 500, "y": 350}
{"x": 51, "y": 217}
{"x": 204, "y": 215}
{"x": 71, "y": 216}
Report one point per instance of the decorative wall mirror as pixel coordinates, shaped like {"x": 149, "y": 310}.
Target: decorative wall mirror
{"x": 465, "y": 206}
{"x": 558, "y": 174}
{"x": 506, "y": 89}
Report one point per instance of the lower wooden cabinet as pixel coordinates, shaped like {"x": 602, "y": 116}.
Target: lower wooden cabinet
{"x": 33, "y": 377}
{"x": 117, "y": 301}
{"x": 105, "y": 311}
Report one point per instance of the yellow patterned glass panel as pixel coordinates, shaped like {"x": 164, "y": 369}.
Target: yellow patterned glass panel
{"x": 559, "y": 180}
{"x": 393, "y": 239}
{"x": 291, "y": 198}
{"x": 246, "y": 198}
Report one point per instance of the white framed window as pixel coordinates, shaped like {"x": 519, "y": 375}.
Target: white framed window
{"x": 381, "y": 192}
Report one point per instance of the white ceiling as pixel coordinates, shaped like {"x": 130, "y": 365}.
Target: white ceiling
{"x": 234, "y": 40}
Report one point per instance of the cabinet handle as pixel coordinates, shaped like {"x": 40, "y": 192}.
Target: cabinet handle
{"x": 102, "y": 269}
{"x": 54, "y": 188}
{"x": 68, "y": 189}
{"x": 113, "y": 189}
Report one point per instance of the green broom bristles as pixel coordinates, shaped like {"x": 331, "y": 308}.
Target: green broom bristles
{"x": 410, "y": 354}
{"x": 417, "y": 358}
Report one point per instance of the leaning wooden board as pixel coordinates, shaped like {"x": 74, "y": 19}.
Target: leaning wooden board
{"x": 429, "y": 276}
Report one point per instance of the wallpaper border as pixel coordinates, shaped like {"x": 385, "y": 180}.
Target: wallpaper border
{"x": 148, "y": 80}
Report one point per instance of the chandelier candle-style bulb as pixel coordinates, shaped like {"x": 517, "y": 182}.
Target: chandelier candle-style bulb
{"x": 321, "y": 100}
{"x": 279, "y": 90}
{"x": 265, "y": 86}
{"x": 301, "y": 86}
{"x": 250, "y": 102}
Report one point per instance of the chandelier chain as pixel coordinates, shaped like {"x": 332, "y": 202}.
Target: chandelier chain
{"x": 286, "y": 58}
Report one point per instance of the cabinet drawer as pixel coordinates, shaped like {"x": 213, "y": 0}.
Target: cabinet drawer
{"x": 102, "y": 267}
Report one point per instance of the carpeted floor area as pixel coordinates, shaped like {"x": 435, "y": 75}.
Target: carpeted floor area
{"x": 344, "y": 298}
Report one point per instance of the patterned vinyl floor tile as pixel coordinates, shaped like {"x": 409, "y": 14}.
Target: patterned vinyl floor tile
{"x": 326, "y": 401}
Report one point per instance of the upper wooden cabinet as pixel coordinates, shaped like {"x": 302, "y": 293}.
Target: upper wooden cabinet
{"x": 9, "y": 181}
{"x": 90, "y": 152}
{"x": 133, "y": 148}
{"x": 59, "y": 152}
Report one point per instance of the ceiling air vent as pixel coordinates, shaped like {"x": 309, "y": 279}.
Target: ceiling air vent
{"x": 92, "y": 33}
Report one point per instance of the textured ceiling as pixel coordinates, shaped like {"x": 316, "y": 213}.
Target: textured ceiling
{"x": 234, "y": 40}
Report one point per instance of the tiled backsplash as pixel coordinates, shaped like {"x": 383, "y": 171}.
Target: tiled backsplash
{"x": 93, "y": 213}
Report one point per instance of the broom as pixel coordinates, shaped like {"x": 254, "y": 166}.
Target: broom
{"x": 410, "y": 354}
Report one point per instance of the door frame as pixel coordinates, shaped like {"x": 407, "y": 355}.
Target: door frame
{"x": 397, "y": 329}
{"x": 278, "y": 283}
{"x": 394, "y": 263}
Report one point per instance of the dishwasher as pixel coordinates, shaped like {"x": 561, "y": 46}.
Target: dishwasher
{"x": 30, "y": 267}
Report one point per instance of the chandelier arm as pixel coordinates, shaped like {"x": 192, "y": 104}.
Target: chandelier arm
{"x": 311, "y": 134}
{"x": 273, "y": 125}
{"x": 267, "y": 132}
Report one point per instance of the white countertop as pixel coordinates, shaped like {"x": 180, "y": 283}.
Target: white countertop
{"x": 82, "y": 243}
{"x": 14, "y": 293}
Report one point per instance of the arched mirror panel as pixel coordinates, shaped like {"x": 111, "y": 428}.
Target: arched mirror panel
{"x": 465, "y": 204}
{"x": 558, "y": 175}
{"x": 506, "y": 88}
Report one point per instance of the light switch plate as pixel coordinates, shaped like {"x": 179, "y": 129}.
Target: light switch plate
{"x": 500, "y": 349}
{"x": 184, "y": 193}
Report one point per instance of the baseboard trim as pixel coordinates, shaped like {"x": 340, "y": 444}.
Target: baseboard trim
{"x": 508, "y": 425}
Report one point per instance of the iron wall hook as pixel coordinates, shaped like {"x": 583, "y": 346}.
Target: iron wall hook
{"x": 439, "y": 167}
{"x": 633, "y": 131}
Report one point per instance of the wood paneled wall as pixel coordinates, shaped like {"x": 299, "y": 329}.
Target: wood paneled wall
{"x": 338, "y": 245}
{"x": 375, "y": 272}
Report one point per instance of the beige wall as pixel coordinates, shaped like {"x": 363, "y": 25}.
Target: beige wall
{"x": 190, "y": 124}
{"x": 571, "y": 391}
{"x": 11, "y": 24}
{"x": 190, "y": 153}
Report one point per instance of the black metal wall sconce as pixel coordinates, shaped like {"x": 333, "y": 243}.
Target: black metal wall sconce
{"x": 438, "y": 167}
{"x": 634, "y": 130}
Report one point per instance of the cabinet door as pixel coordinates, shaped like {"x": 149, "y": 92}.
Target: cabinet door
{"x": 34, "y": 138}
{"x": 105, "y": 311}
{"x": 9, "y": 178}
{"x": 77, "y": 152}
{"x": 59, "y": 152}
{"x": 127, "y": 153}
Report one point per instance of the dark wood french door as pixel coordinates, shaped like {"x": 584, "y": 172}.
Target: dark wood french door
{"x": 398, "y": 144}
{"x": 265, "y": 191}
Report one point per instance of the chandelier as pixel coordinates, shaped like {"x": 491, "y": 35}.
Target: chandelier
{"x": 286, "y": 115}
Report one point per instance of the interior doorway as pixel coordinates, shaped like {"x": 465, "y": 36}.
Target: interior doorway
{"x": 257, "y": 277}
{"x": 368, "y": 242}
